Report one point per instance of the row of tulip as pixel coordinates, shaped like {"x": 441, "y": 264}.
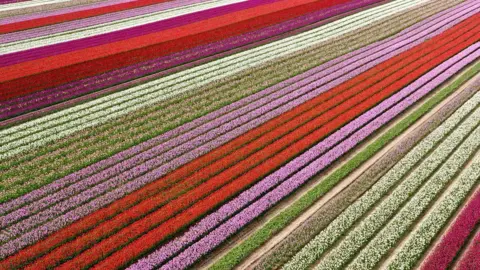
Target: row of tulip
{"x": 55, "y": 162}
{"x": 246, "y": 198}
{"x": 471, "y": 258}
{"x": 344, "y": 222}
{"x": 419, "y": 239}
{"x": 57, "y": 125}
{"x": 373, "y": 101}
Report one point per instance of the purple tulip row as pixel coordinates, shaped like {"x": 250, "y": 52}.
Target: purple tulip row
{"x": 64, "y": 206}
{"x": 105, "y": 18}
{"x": 429, "y": 81}
{"x": 266, "y": 112}
{"x": 222, "y": 48}
{"x": 455, "y": 237}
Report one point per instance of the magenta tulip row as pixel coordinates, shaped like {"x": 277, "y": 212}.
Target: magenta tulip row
{"x": 452, "y": 241}
{"x": 471, "y": 259}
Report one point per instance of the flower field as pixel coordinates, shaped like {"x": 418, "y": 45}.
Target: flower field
{"x": 239, "y": 134}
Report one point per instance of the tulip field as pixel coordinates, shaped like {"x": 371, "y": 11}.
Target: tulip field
{"x": 240, "y": 134}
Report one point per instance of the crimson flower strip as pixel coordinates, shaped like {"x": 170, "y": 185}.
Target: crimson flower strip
{"x": 150, "y": 239}
{"x": 321, "y": 77}
{"x": 349, "y": 59}
{"x": 456, "y": 236}
{"x": 220, "y": 234}
{"x": 471, "y": 259}
{"x": 221, "y": 48}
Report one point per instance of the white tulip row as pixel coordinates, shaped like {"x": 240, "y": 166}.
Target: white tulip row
{"x": 392, "y": 232}
{"x": 60, "y": 124}
{"x": 327, "y": 237}
{"x": 418, "y": 240}
{"x": 110, "y": 26}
